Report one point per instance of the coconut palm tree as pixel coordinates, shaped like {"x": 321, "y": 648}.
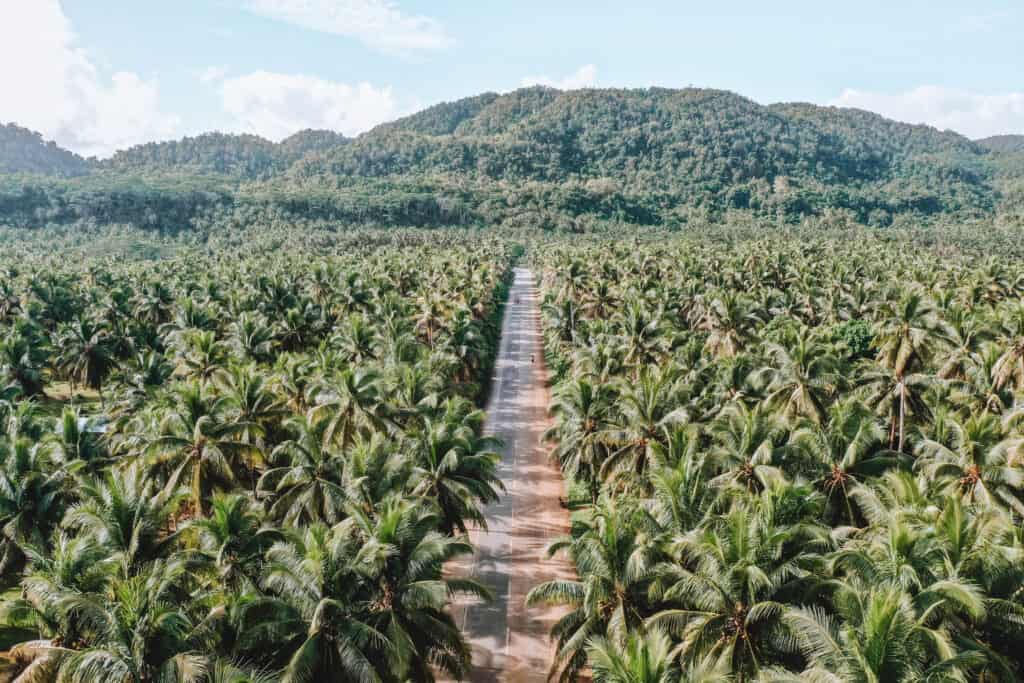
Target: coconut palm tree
{"x": 307, "y": 483}
{"x": 129, "y": 515}
{"x": 33, "y": 497}
{"x": 198, "y": 443}
{"x": 730, "y": 583}
{"x": 456, "y": 468}
{"x": 611, "y": 598}
{"x": 87, "y": 353}
{"x": 975, "y": 458}
{"x": 581, "y": 430}
{"x": 802, "y": 377}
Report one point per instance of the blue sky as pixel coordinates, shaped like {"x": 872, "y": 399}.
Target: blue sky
{"x": 102, "y": 74}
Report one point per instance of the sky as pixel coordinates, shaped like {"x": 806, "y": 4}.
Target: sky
{"x": 101, "y": 75}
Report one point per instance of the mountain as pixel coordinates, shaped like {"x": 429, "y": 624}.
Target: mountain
{"x": 1004, "y": 143}
{"x": 694, "y": 147}
{"x": 247, "y": 156}
{"x": 543, "y": 156}
{"x": 242, "y": 156}
{"x": 296, "y": 146}
{"x": 25, "y": 151}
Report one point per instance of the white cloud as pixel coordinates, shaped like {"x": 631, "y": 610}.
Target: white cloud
{"x": 972, "y": 114}
{"x": 276, "y": 105}
{"x": 583, "y": 77}
{"x": 54, "y": 87}
{"x": 212, "y": 74}
{"x": 377, "y": 23}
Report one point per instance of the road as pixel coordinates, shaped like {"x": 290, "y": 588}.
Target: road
{"x": 510, "y": 643}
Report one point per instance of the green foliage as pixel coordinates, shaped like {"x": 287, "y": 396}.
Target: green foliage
{"x": 284, "y": 453}
{"x": 792, "y": 460}
{"x": 540, "y": 158}
{"x": 856, "y": 337}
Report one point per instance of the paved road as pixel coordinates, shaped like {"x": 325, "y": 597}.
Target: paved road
{"x": 509, "y": 642}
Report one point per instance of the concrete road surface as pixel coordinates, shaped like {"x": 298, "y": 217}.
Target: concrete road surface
{"x": 510, "y": 643}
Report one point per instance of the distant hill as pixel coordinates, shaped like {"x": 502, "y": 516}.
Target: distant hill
{"x": 649, "y": 156}
{"x": 25, "y": 151}
{"x": 248, "y": 156}
{"x": 1004, "y": 143}
{"x": 296, "y": 146}
{"x": 243, "y": 156}
{"x": 695, "y": 146}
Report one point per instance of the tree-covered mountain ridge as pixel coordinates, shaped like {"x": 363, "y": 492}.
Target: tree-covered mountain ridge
{"x": 639, "y": 155}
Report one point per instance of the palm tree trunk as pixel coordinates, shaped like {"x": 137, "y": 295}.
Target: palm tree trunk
{"x": 903, "y": 410}
{"x": 197, "y": 490}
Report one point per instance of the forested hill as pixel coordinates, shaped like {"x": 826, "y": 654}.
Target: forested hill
{"x": 1004, "y": 143}
{"x": 692, "y": 146}
{"x": 25, "y": 151}
{"x": 549, "y": 157}
{"x": 242, "y": 156}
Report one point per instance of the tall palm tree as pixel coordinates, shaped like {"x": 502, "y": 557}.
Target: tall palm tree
{"x": 974, "y": 457}
{"x": 351, "y": 401}
{"x": 844, "y": 452}
{"x": 749, "y": 445}
{"x": 128, "y": 515}
{"x": 611, "y": 598}
{"x": 199, "y": 443}
{"x": 802, "y": 377}
{"x": 306, "y": 484}
{"x": 582, "y": 413}
{"x": 32, "y": 497}
{"x": 138, "y": 632}
{"x": 22, "y": 358}
{"x": 730, "y": 583}
{"x": 87, "y": 353}
{"x": 456, "y": 469}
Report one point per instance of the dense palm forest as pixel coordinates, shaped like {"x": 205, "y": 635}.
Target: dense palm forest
{"x": 789, "y": 460}
{"x": 534, "y": 158}
{"x": 241, "y": 462}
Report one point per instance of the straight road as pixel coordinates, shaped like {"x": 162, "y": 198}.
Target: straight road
{"x": 510, "y": 642}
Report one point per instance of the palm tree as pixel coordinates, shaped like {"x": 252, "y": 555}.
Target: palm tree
{"x": 643, "y": 411}
{"x": 974, "y": 457}
{"x": 351, "y": 402}
{"x": 403, "y": 554}
{"x": 54, "y": 578}
{"x": 749, "y": 445}
{"x": 76, "y": 444}
{"x": 455, "y": 468}
{"x": 138, "y": 632}
{"x": 22, "y": 357}
{"x": 730, "y": 583}
{"x": 128, "y": 515}
{"x": 307, "y": 484}
{"x": 879, "y": 637}
{"x": 645, "y": 658}
{"x": 727, "y": 321}
{"x": 87, "y": 353}
{"x": 32, "y": 497}
{"x": 202, "y": 354}
{"x": 233, "y": 539}
{"x": 1009, "y": 369}
{"x": 897, "y": 396}
{"x": 582, "y": 412}
{"x": 802, "y": 377}
{"x": 680, "y": 497}
{"x": 843, "y": 452}
{"x": 197, "y": 441}
{"x": 611, "y": 598}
